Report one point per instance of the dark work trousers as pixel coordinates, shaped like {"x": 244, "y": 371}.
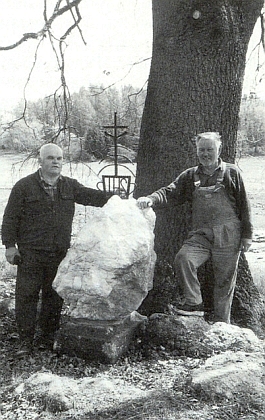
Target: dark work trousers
{"x": 196, "y": 250}
{"x": 36, "y": 273}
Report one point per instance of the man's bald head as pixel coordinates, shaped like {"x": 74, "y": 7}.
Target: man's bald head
{"x": 51, "y": 161}
{"x": 50, "y": 148}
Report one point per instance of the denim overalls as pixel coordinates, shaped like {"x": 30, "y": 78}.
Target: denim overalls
{"x": 215, "y": 234}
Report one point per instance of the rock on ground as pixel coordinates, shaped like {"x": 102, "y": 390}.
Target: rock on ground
{"x": 222, "y": 337}
{"x": 232, "y": 375}
{"x": 194, "y": 337}
{"x": 88, "y": 394}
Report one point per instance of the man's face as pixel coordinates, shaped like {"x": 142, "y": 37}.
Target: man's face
{"x": 208, "y": 152}
{"x": 51, "y": 161}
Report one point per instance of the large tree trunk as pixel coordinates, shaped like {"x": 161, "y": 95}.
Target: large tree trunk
{"x": 195, "y": 85}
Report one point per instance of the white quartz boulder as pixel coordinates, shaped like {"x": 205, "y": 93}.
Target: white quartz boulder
{"x": 109, "y": 270}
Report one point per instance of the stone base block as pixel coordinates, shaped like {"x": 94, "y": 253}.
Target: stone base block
{"x": 103, "y": 341}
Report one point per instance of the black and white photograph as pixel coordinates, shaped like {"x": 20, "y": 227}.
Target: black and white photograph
{"x": 132, "y": 206}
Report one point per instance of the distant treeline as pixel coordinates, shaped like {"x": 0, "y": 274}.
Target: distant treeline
{"x": 79, "y": 127}
{"x": 82, "y": 123}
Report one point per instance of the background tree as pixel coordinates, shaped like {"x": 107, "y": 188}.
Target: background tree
{"x": 251, "y": 134}
{"x": 195, "y": 85}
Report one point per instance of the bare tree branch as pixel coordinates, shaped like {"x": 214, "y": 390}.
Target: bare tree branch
{"x": 62, "y": 101}
{"x": 48, "y": 22}
{"x": 61, "y": 97}
{"x": 101, "y": 90}
{"x": 262, "y": 24}
{"x": 76, "y": 22}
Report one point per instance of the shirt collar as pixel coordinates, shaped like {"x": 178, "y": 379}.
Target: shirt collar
{"x": 220, "y": 166}
{"x": 44, "y": 181}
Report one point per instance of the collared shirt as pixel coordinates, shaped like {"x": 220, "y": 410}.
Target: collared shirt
{"x": 208, "y": 180}
{"x": 49, "y": 188}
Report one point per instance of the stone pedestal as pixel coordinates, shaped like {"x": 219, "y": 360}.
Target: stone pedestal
{"x": 103, "y": 341}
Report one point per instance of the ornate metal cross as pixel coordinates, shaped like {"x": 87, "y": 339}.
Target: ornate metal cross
{"x": 115, "y": 137}
{"x": 116, "y": 184}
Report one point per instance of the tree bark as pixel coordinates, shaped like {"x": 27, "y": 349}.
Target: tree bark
{"x": 195, "y": 85}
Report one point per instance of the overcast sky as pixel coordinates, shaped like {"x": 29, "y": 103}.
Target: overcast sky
{"x": 118, "y": 33}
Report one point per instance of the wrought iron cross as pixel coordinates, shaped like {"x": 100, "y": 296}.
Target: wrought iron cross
{"x": 116, "y": 184}
{"x": 115, "y": 137}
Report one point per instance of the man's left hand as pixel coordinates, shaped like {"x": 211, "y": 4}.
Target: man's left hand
{"x": 246, "y": 244}
{"x": 11, "y": 253}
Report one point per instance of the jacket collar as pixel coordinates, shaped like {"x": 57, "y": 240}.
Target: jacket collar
{"x": 221, "y": 166}
{"x": 41, "y": 179}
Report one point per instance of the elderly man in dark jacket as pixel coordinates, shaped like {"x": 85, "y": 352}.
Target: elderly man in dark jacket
{"x": 221, "y": 225}
{"x": 36, "y": 232}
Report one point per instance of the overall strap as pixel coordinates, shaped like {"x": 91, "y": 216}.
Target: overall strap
{"x": 197, "y": 181}
{"x": 222, "y": 173}
{"x": 220, "y": 178}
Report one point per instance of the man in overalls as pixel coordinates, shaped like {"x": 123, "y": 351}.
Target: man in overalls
{"x": 221, "y": 225}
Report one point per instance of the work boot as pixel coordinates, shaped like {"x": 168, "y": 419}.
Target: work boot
{"x": 190, "y": 310}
